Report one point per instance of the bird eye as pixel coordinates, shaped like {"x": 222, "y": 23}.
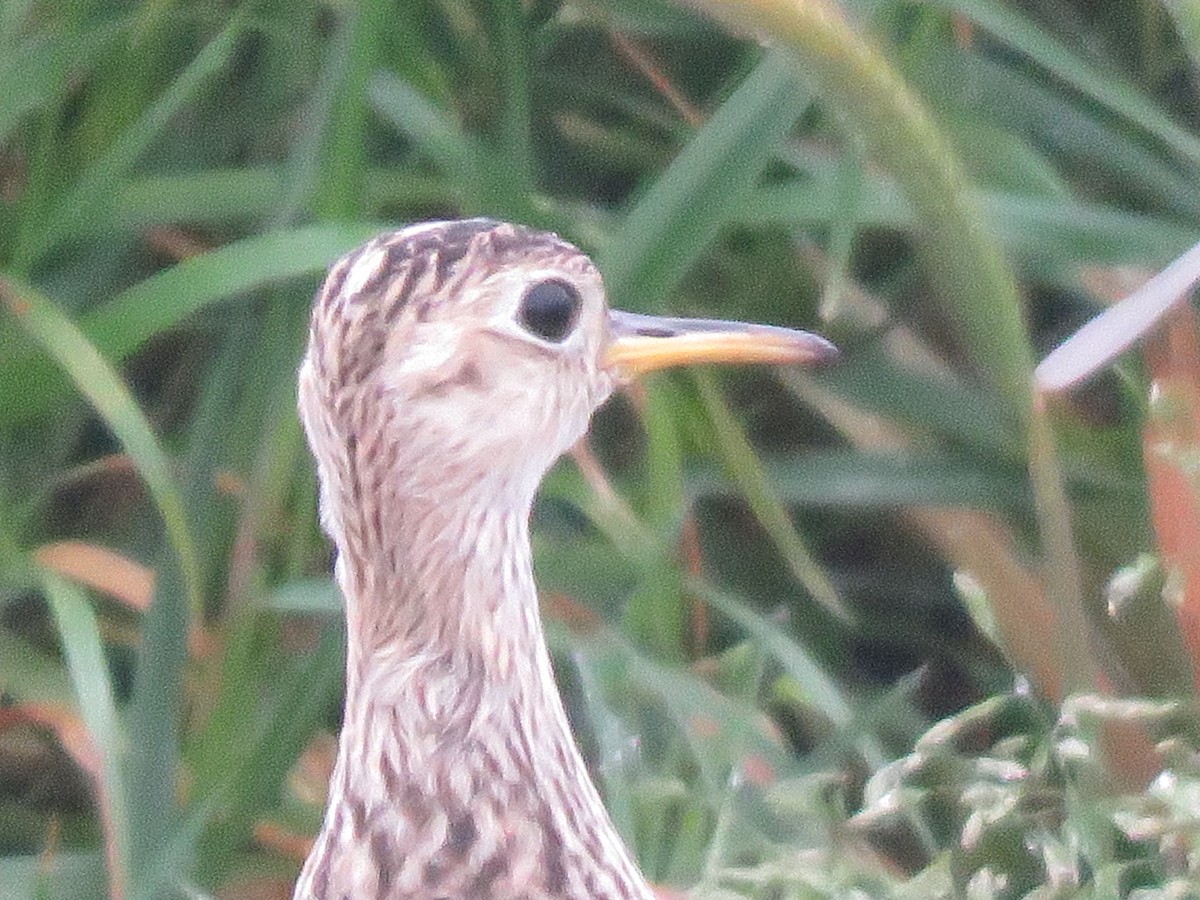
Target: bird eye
{"x": 550, "y": 309}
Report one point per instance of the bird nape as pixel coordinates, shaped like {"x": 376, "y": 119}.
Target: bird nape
{"x": 449, "y": 365}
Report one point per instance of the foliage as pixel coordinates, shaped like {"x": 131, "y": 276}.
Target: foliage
{"x": 905, "y": 628}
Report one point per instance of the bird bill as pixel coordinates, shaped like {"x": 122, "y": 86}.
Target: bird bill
{"x": 641, "y": 343}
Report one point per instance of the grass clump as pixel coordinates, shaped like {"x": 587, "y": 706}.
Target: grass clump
{"x": 905, "y": 628}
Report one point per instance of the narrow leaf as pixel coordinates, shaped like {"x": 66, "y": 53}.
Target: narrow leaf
{"x": 89, "y": 674}
{"x": 685, "y": 208}
{"x": 432, "y": 129}
{"x": 35, "y": 73}
{"x": 1008, "y": 25}
{"x": 123, "y": 324}
{"x": 63, "y": 342}
{"x": 747, "y": 472}
{"x": 97, "y": 182}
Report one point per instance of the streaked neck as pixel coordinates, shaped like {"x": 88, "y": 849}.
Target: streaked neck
{"x": 457, "y": 774}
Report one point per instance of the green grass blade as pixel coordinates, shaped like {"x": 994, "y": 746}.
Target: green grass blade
{"x": 1186, "y": 14}
{"x": 14, "y": 17}
{"x": 304, "y": 695}
{"x": 96, "y": 184}
{"x": 123, "y": 324}
{"x": 343, "y": 162}
{"x": 1050, "y": 235}
{"x": 150, "y": 307}
{"x": 154, "y": 718}
{"x": 1010, "y": 26}
{"x": 852, "y": 480}
{"x": 92, "y": 375}
{"x": 434, "y": 131}
{"x": 304, "y": 166}
{"x": 747, "y": 472}
{"x": 213, "y": 196}
{"x": 821, "y": 689}
{"x": 611, "y": 734}
{"x": 163, "y": 875}
{"x": 80, "y": 634}
{"x": 1068, "y": 234}
{"x": 250, "y": 194}
{"x": 976, "y": 287}
{"x": 512, "y": 48}
{"x": 36, "y": 73}
{"x": 71, "y": 875}
{"x": 306, "y": 596}
{"x": 670, "y": 226}
{"x": 656, "y": 614}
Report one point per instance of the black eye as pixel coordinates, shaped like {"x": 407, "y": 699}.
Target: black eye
{"x": 550, "y": 309}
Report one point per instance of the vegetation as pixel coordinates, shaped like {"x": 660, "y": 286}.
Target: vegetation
{"x": 906, "y": 628}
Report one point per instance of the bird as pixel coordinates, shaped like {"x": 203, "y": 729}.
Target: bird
{"x": 449, "y": 365}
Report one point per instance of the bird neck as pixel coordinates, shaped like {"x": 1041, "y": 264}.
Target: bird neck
{"x": 456, "y": 761}
{"x": 443, "y": 597}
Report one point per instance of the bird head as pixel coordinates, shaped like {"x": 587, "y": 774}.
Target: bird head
{"x": 450, "y": 357}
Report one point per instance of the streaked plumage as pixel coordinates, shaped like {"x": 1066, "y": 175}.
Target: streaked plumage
{"x": 434, "y": 408}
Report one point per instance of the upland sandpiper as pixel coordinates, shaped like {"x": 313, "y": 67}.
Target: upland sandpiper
{"x": 449, "y": 365}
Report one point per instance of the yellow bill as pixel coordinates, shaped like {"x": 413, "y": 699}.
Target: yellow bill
{"x": 641, "y": 344}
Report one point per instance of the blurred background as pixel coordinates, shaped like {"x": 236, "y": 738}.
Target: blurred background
{"x": 903, "y": 628}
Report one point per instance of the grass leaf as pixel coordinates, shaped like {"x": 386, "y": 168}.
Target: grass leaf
{"x": 94, "y": 187}
{"x": 667, "y": 229}
{"x": 1011, "y": 27}
{"x": 80, "y": 634}
{"x": 63, "y": 342}
{"x": 36, "y": 72}
{"x": 123, "y": 324}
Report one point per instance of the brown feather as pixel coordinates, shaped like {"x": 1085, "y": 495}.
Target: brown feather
{"x": 433, "y": 420}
